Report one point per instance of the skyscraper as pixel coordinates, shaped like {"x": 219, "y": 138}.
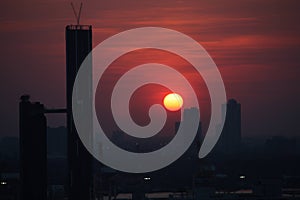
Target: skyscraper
{"x": 195, "y": 146}
{"x": 33, "y": 150}
{"x": 78, "y": 46}
{"x": 230, "y": 138}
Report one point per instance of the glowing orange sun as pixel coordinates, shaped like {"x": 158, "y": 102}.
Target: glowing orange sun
{"x": 173, "y": 102}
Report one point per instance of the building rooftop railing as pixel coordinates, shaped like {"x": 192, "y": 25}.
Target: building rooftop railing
{"x": 79, "y": 27}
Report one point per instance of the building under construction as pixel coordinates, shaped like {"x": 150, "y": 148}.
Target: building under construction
{"x": 78, "y": 46}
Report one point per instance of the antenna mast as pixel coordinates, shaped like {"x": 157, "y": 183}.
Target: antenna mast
{"x": 77, "y": 16}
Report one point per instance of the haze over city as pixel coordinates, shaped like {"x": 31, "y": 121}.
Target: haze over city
{"x": 254, "y": 43}
{"x": 213, "y": 114}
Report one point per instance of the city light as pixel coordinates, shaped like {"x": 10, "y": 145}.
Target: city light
{"x": 3, "y": 183}
{"x": 242, "y": 177}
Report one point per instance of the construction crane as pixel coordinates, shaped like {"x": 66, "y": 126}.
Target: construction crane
{"x": 77, "y": 16}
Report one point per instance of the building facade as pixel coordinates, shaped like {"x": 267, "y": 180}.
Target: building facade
{"x": 78, "y": 46}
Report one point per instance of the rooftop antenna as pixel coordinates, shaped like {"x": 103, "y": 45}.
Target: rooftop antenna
{"x": 77, "y": 16}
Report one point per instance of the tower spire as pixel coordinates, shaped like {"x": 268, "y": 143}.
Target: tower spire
{"x": 77, "y": 15}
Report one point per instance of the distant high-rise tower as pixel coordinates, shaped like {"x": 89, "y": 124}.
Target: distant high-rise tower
{"x": 195, "y": 146}
{"x": 78, "y": 46}
{"x": 230, "y": 139}
{"x": 33, "y": 150}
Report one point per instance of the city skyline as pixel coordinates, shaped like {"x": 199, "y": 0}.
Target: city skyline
{"x": 253, "y": 43}
{"x": 138, "y": 100}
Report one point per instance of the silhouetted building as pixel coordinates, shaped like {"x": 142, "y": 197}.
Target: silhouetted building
{"x": 195, "y": 146}
{"x": 230, "y": 139}
{"x": 78, "y": 46}
{"x": 33, "y": 150}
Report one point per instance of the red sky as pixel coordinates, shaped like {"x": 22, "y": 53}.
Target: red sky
{"x": 255, "y": 44}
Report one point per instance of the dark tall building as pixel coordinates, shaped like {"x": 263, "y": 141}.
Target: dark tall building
{"x": 230, "y": 139}
{"x": 195, "y": 146}
{"x": 33, "y": 150}
{"x": 78, "y": 46}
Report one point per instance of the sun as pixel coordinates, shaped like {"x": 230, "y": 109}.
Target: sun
{"x": 173, "y": 102}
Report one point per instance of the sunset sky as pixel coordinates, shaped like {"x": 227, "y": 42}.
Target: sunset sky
{"x": 255, "y": 44}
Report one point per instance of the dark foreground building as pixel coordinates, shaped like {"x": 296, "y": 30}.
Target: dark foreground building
{"x": 78, "y": 46}
{"x": 33, "y": 150}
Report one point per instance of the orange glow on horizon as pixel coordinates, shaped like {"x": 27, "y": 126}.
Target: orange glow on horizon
{"x": 173, "y": 102}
